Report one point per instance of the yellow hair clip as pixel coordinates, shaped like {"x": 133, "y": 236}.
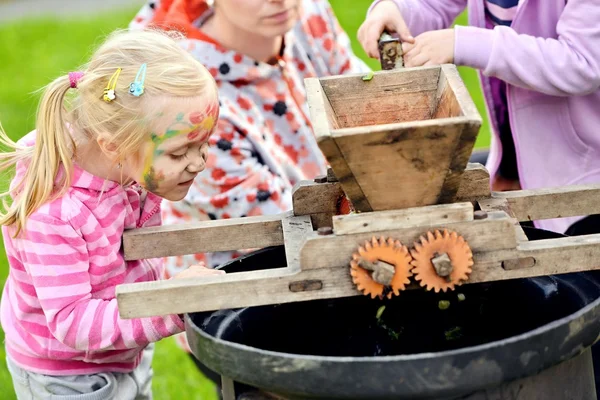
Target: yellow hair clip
{"x": 109, "y": 90}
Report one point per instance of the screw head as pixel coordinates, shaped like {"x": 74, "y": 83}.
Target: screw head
{"x": 321, "y": 179}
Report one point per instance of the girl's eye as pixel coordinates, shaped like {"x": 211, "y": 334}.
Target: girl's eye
{"x": 177, "y": 156}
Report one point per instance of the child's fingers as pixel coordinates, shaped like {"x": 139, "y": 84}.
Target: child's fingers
{"x": 408, "y": 47}
{"x": 385, "y": 17}
{"x": 369, "y": 37}
{"x": 416, "y": 59}
{"x": 404, "y": 32}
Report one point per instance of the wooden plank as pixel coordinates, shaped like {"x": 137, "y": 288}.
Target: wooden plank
{"x": 178, "y": 296}
{"x": 402, "y": 165}
{"x": 558, "y": 202}
{"x": 492, "y": 204}
{"x": 552, "y": 257}
{"x": 324, "y": 120}
{"x": 447, "y": 104}
{"x": 321, "y": 219}
{"x": 206, "y": 236}
{"x": 474, "y": 183}
{"x": 455, "y": 100}
{"x": 494, "y": 233}
{"x": 461, "y": 93}
{"x": 397, "y": 219}
{"x": 309, "y": 197}
{"x": 323, "y": 117}
{"x": 406, "y": 94}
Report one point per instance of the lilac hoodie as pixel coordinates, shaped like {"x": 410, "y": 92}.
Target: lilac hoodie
{"x": 550, "y": 60}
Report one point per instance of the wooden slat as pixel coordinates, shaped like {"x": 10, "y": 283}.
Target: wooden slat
{"x": 396, "y": 219}
{"x": 178, "y": 296}
{"x": 324, "y": 120}
{"x": 552, "y": 257}
{"x": 568, "y": 201}
{"x": 309, "y": 197}
{"x": 494, "y": 233}
{"x": 402, "y": 95}
{"x": 461, "y": 93}
{"x": 474, "y": 183}
{"x": 206, "y": 236}
{"x": 455, "y": 100}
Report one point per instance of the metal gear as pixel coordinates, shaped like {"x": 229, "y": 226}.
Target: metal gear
{"x": 441, "y": 261}
{"x": 389, "y": 262}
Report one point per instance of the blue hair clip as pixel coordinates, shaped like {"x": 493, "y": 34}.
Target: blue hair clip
{"x": 136, "y": 88}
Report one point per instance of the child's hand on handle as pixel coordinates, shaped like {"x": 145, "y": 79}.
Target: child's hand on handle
{"x": 430, "y": 48}
{"x": 198, "y": 270}
{"x": 385, "y": 16}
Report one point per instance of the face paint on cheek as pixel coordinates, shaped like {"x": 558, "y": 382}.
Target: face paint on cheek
{"x": 148, "y": 174}
{"x": 152, "y": 179}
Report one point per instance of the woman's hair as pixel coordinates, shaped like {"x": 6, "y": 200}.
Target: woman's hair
{"x": 170, "y": 72}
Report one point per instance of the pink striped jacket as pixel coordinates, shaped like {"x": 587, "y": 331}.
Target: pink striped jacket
{"x": 58, "y": 306}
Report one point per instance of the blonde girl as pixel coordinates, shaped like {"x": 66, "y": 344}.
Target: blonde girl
{"x": 110, "y": 143}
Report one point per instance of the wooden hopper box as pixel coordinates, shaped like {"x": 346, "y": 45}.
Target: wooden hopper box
{"x": 419, "y": 123}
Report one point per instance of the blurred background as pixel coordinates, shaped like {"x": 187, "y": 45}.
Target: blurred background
{"x": 42, "y": 39}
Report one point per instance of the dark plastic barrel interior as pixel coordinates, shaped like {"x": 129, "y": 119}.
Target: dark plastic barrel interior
{"x": 414, "y": 322}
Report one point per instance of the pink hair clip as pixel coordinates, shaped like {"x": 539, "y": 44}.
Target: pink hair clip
{"x": 74, "y": 77}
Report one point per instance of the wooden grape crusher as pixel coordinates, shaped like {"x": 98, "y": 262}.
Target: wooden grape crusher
{"x": 428, "y": 289}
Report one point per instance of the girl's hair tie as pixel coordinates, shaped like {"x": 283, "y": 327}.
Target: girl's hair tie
{"x": 74, "y": 78}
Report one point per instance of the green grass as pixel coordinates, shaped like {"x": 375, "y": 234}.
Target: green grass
{"x": 36, "y": 51}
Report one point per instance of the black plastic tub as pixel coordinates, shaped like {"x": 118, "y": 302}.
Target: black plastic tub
{"x": 490, "y": 334}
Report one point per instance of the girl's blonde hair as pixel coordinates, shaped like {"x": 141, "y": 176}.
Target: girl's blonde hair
{"x": 171, "y": 71}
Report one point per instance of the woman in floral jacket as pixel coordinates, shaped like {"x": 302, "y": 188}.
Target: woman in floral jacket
{"x": 260, "y": 52}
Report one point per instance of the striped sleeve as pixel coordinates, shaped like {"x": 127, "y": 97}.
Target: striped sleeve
{"x": 56, "y": 259}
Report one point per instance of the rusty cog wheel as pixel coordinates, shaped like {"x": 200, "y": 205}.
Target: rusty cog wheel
{"x": 442, "y": 260}
{"x": 381, "y": 268}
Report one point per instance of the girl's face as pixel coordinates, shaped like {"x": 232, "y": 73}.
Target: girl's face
{"x": 266, "y": 18}
{"x": 177, "y": 147}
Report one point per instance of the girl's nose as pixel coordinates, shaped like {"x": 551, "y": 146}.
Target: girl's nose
{"x": 197, "y": 164}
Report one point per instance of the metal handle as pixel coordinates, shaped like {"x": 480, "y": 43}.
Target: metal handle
{"x": 390, "y": 52}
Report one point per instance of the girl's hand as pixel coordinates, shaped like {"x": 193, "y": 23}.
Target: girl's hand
{"x": 198, "y": 270}
{"x": 430, "y": 48}
{"x": 385, "y": 16}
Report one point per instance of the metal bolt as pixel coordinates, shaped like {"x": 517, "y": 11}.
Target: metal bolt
{"x": 321, "y": 179}
{"x": 480, "y": 214}
{"x": 325, "y": 230}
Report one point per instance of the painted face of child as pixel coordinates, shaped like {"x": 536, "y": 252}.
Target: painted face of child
{"x": 177, "y": 146}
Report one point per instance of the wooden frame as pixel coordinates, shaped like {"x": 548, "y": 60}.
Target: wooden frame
{"x": 318, "y": 266}
{"x": 421, "y": 122}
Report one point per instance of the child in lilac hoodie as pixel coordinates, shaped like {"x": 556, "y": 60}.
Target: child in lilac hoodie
{"x": 539, "y": 64}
